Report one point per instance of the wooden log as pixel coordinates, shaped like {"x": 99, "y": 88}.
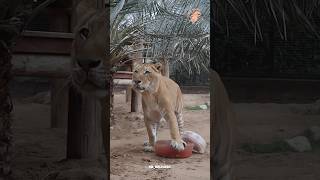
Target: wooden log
{"x": 122, "y": 82}
{"x": 41, "y": 65}
{"x": 84, "y": 139}
{"x": 44, "y": 45}
{"x": 122, "y": 75}
{"x": 52, "y": 66}
{"x": 59, "y": 103}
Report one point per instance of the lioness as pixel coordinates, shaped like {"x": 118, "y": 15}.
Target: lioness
{"x": 222, "y": 124}
{"x": 161, "y": 98}
{"x": 89, "y": 49}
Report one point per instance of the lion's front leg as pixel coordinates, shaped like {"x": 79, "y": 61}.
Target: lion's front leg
{"x": 180, "y": 121}
{"x": 176, "y": 142}
{"x": 152, "y": 135}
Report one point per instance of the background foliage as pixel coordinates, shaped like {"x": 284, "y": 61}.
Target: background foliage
{"x": 273, "y": 38}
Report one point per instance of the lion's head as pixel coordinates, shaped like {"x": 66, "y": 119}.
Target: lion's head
{"x": 89, "y": 48}
{"x": 146, "y": 77}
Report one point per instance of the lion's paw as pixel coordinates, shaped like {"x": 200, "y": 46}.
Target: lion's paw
{"x": 148, "y": 148}
{"x": 146, "y": 143}
{"x": 178, "y": 145}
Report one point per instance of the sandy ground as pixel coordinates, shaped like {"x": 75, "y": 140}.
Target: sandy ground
{"x": 263, "y": 123}
{"x": 40, "y": 150}
{"x": 129, "y": 161}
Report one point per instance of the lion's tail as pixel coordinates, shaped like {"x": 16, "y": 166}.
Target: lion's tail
{"x": 222, "y": 119}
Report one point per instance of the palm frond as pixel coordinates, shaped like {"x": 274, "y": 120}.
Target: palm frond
{"x": 165, "y": 28}
{"x": 255, "y": 14}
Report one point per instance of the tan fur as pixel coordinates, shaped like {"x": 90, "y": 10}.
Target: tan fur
{"x": 223, "y": 119}
{"x": 91, "y": 48}
{"x": 161, "y": 98}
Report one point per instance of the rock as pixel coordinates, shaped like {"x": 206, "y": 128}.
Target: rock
{"x": 203, "y": 106}
{"x": 299, "y": 143}
{"x": 146, "y": 159}
{"x": 308, "y": 109}
{"x": 198, "y": 107}
{"x": 80, "y": 174}
{"x": 315, "y": 133}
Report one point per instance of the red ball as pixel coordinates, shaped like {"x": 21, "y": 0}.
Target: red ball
{"x": 164, "y": 149}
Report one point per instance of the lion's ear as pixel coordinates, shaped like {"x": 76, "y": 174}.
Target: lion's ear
{"x": 85, "y": 5}
{"x": 137, "y": 62}
{"x": 83, "y": 9}
{"x": 158, "y": 66}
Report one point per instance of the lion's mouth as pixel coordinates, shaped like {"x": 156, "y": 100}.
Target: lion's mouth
{"x": 139, "y": 88}
{"x": 90, "y": 80}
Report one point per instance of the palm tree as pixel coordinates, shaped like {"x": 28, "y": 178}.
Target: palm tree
{"x": 254, "y": 13}
{"x": 166, "y": 31}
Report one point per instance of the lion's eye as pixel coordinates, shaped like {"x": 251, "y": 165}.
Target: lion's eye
{"x": 84, "y": 33}
{"x": 146, "y": 72}
{"x": 135, "y": 71}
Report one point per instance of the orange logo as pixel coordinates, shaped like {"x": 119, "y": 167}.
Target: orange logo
{"x": 195, "y": 15}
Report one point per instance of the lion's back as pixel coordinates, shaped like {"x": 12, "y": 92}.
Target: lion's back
{"x": 173, "y": 93}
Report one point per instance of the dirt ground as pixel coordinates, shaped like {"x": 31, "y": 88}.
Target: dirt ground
{"x": 129, "y": 161}
{"x": 263, "y": 123}
{"x": 40, "y": 150}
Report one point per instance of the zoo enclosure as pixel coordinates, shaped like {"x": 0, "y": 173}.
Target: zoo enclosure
{"x": 282, "y": 68}
{"x": 239, "y": 53}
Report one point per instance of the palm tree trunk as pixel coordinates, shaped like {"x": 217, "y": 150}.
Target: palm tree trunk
{"x": 5, "y": 110}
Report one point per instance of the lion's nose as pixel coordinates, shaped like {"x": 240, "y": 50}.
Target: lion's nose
{"x": 137, "y": 81}
{"x": 88, "y": 63}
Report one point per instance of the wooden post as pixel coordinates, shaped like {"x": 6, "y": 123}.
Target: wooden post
{"x": 128, "y": 94}
{"x": 165, "y": 69}
{"x": 136, "y": 97}
{"x": 128, "y": 89}
{"x": 135, "y": 101}
{"x": 84, "y": 126}
{"x": 59, "y": 103}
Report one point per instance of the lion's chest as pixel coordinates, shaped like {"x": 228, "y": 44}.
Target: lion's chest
{"x": 151, "y": 108}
